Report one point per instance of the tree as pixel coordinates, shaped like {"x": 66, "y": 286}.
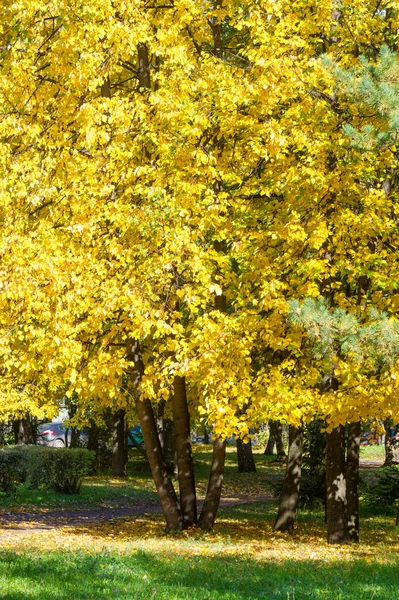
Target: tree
{"x": 290, "y": 494}
{"x": 182, "y": 174}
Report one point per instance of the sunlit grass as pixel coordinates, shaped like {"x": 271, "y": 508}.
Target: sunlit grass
{"x": 373, "y": 452}
{"x": 243, "y": 558}
{"x": 139, "y": 485}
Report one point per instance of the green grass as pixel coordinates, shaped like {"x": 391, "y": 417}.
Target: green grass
{"x": 96, "y": 490}
{"x": 101, "y": 489}
{"x": 146, "y": 575}
{"x": 373, "y": 452}
{"x": 132, "y": 559}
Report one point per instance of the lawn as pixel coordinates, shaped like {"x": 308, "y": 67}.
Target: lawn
{"x": 373, "y": 452}
{"x": 133, "y": 559}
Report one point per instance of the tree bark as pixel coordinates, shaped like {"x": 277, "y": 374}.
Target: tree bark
{"x": 206, "y": 435}
{"x": 160, "y": 422}
{"x": 214, "y": 491}
{"x": 290, "y": 495}
{"x": 271, "y": 442}
{"x": 119, "y": 444}
{"x": 162, "y": 480}
{"x": 337, "y": 531}
{"x": 93, "y": 442}
{"x": 277, "y": 429}
{"x": 388, "y": 443}
{"x": 169, "y": 447}
{"x": 74, "y": 441}
{"x": 184, "y": 458}
{"x": 24, "y": 430}
{"x": 245, "y": 457}
{"x": 352, "y": 480}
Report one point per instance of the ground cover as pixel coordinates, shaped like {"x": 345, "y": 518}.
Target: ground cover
{"x": 373, "y": 452}
{"x": 131, "y": 557}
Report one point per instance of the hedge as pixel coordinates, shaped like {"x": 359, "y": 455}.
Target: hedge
{"x": 62, "y": 469}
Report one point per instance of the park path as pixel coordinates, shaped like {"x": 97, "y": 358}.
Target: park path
{"x": 23, "y": 521}
{"x": 18, "y": 521}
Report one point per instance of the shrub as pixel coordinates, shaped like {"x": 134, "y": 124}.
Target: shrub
{"x": 60, "y": 468}
{"x": 13, "y": 468}
{"x": 70, "y": 466}
{"x": 7, "y": 481}
{"x": 385, "y": 490}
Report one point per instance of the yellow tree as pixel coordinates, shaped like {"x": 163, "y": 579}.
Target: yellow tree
{"x": 164, "y": 162}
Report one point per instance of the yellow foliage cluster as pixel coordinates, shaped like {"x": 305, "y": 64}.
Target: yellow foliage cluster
{"x": 113, "y": 193}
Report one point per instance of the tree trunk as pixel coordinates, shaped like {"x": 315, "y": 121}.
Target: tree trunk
{"x": 160, "y": 422}
{"x": 271, "y": 442}
{"x": 290, "y": 494}
{"x": 74, "y": 439}
{"x": 169, "y": 447}
{"x": 182, "y": 438}
{"x": 163, "y": 483}
{"x": 395, "y": 446}
{"x": 119, "y": 444}
{"x": 162, "y": 480}
{"x": 388, "y": 443}
{"x": 246, "y": 462}
{"x": 352, "y": 480}
{"x": 25, "y": 430}
{"x": 214, "y": 491}
{"x": 93, "y": 442}
{"x": 277, "y": 429}
{"x": 337, "y": 532}
{"x": 206, "y": 435}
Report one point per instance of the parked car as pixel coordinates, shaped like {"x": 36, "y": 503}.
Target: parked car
{"x": 55, "y": 434}
{"x": 135, "y": 438}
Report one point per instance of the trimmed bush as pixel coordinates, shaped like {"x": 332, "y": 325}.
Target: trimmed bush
{"x": 13, "y": 468}
{"x": 62, "y": 469}
{"x": 71, "y": 465}
{"x": 7, "y": 480}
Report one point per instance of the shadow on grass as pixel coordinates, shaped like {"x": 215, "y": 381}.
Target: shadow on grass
{"x": 144, "y": 576}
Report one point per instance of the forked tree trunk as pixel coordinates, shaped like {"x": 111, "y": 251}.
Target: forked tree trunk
{"x": 163, "y": 483}
{"x": 245, "y": 457}
{"x": 162, "y": 480}
{"x": 214, "y": 491}
{"x": 119, "y": 462}
{"x": 352, "y": 480}
{"x": 184, "y": 458}
{"x": 337, "y": 531}
{"x": 290, "y": 495}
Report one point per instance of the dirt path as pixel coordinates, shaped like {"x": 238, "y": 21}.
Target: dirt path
{"x": 371, "y": 463}
{"x": 75, "y": 517}
{"x": 112, "y": 511}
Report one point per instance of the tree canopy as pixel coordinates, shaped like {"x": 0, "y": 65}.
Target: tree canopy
{"x": 161, "y": 161}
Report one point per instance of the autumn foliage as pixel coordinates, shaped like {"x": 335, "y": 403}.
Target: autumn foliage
{"x": 200, "y": 192}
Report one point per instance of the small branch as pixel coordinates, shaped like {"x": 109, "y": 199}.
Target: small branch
{"x": 327, "y": 98}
